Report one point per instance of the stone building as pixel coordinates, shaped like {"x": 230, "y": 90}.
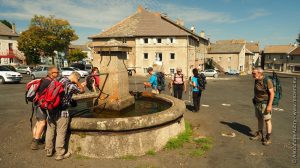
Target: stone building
{"x": 9, "y": 53}
{"x": 276, "y": 57}
{"x": 156, "y": 41}
{"x": 293, "y": 60}
{"x": 237, "y": 55}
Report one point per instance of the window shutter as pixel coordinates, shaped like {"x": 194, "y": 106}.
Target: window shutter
{"x": 141, "y": 40}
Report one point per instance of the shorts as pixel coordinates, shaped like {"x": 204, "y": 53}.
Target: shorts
{"x": 261, "y": 111}
{"x": 40, "y": 114}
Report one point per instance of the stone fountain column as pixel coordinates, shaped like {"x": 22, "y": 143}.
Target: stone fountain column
{"x": 110, "y": 59}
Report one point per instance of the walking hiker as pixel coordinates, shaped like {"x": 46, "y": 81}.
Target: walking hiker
{"x": 40, "y": 113}
{"x": 152, "y": 82}
{"x": 178, "y": 84}
{"x": 196, "y": 90}
{"x": 263, "y": 101}
{"x": 57, "y": 127}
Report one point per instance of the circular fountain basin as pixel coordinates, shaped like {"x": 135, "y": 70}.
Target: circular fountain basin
{"x": 132, "y": 131}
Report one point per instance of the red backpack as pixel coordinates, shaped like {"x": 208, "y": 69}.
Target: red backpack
{"x": 31, "y": 90}
{"x": 50, "y": 97}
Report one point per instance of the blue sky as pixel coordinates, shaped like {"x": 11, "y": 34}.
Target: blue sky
{"x": 268, "y": 21}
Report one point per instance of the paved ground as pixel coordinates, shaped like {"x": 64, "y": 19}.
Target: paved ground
{"x": 212, "y": 121}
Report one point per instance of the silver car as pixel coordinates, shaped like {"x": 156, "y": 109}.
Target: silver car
{"x": 210, "y": 72}
{"x": 24, "y": 69}
{"x": 40, "y": 72}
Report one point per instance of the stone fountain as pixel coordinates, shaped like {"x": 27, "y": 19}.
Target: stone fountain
{"x": 114, "y": 137}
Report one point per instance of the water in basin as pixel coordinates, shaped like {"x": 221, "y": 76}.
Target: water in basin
{"x": 142, "y": 106}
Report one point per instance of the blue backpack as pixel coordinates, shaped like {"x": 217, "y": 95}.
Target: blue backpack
{"x": 276, "y": 85}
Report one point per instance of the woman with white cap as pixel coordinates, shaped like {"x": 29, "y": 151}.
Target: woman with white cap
{"x": 178, "y": 83}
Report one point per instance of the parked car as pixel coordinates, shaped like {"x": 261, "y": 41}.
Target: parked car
{"x": 10, "y": 67}
{"x": 41, "y": 71}
{"x": 232, "y": 72}
{"x": 83, "y": 67}
{"x": 24, "y": 69}
{"x": 210, "y": 73}
{"x": 88, "y": 68}
{"x": 7, "y": 75}
{"x": 66, "y": 71}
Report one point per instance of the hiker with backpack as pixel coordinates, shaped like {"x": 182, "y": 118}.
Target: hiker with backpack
{"x": 264, "y": 99}
{"x": 93, "y": 80}
{"x": 152, "y": 82}
{"x": 40, "y": 87}
{"x": 198, "y": 84}
{"x": 178, "y": 84}
{"x": 58, "y": 125}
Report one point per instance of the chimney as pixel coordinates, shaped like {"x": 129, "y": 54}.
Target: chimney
{"x": 193, "y": 29}
{"x": 13, "y": 28}
{"x": 202, "y": 34}
{"x": 140, "y": 9}
{"x": 179, "y": 22}
{"x": 157, "y": 14}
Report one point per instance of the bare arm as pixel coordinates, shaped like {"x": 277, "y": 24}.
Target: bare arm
{"x": 147, "y": 84}
{"x": 272, "y": 94}
{"x": 81, "y": 86}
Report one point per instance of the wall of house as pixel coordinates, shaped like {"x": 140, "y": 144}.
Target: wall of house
{"x": 226, "y": 61}
{"x": 281, "y": 61}
{"x": 4, "y": 47}
{"x": 187, "y": 52}
{"x": 179, "y": 47}
{"x": 241, "y": 59}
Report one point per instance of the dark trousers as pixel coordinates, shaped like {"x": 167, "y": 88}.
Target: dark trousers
{"x": 196, "y": 100}
{"x": 177, "y": 90}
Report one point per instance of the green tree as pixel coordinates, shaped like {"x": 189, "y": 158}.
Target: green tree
{"x": 7, "y": 23}
{"x": 298, "y": 39}
{"x": 29, "y": 43}
{"x": 76, "y": 55}
{"x": 46, "y": 35}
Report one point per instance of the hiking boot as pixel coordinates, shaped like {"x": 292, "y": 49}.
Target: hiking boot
{"x": 61, "y": 157}
{"x": 49, "y": 153}
{"x": 257, "y": 136}
{"x": 35, "y": 144}
{"x": 267, "y": 142}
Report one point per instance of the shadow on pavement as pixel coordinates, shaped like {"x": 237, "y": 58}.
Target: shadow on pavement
{"x": 238, "y": 127}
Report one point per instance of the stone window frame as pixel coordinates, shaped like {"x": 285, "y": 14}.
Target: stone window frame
{"x": 157, "y": 54}
{"x": 145, "y": 70}
{"x": 159, "y": 40}
{"x": 172, "y": 69}
{"x": 146, "y": 40}
{"x": 145, "y": 55}
{"x": 229, "y": 59}
{"x": 173, "y": 55}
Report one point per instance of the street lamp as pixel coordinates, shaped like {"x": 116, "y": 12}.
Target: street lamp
{"x": 274, "y": 63}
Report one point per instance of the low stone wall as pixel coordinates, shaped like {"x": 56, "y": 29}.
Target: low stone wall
{"x": 120, "y": 144}
{"x": 117, "y": 137}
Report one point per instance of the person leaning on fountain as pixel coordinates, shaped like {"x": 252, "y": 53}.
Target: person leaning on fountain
{"x": 60, "y": 119}
{"x": 152, "y": 82}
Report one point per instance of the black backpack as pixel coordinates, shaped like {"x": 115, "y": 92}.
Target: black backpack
{"x": 201, "y": 79}
{"x": 160, "y": 76}
{"x": 89, "y": 82}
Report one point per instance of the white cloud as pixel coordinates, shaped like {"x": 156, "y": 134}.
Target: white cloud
{"x": 91, "y": 14}
{"x": 196, "y": 14}
{"x": 103, "y": 14}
